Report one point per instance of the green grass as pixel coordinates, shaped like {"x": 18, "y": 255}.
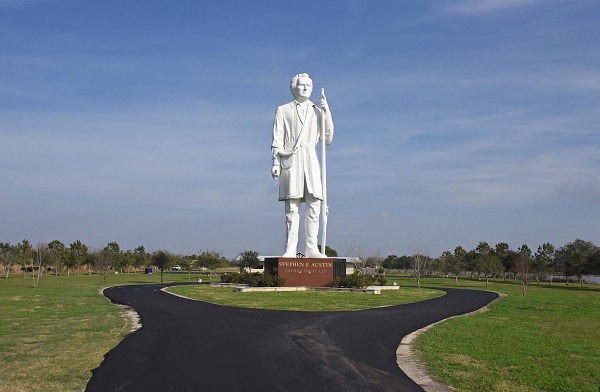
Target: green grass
{"x": 53, "y": 336}
{"x": 306, "y": 300}
{"x": 548, "y": 340}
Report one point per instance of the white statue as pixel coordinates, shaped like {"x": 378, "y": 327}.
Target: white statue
{"x": 296, "y": 131}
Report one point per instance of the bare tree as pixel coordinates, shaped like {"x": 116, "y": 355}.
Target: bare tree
{"x": 523, "y": 267}
{"x": 41, "y": 255}
{"x": 375, "y": 260}
{"x": 103, "y": 260}
{"x": 419, "y": 263}
{"x": 360, "y": 253}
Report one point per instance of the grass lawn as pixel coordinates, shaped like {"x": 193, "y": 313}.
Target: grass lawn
{"x": 548, "y": 340}
{"x": 53, "y": 336}
{"x": 304, "y": 301}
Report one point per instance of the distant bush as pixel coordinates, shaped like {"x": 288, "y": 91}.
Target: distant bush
{"x": 253, "y": 279}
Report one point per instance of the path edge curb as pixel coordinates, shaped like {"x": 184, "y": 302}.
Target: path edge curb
{"x": 414, "y": 368}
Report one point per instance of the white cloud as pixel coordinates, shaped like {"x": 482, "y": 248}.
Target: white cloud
{"x": 475, "y": 7}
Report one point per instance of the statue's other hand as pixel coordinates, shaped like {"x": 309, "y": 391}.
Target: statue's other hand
{"x": 275, "y": 171}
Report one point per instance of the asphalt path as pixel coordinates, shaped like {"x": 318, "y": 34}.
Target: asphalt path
{"x": 187, "y": 345}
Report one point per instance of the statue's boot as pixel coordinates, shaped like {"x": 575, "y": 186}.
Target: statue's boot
{"x": 312, "y": 232}
{"x": 292, "y": 224}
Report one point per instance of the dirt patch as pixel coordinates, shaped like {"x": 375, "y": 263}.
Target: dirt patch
{"x": 129, "y": 314}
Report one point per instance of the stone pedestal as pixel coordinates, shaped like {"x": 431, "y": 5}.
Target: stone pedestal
{"x": 306, "y": 271}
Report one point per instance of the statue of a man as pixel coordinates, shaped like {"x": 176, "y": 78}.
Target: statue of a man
{"x": 296, "y": 132}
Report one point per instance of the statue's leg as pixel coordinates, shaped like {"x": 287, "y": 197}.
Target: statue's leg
{"x": 313, "y": 210}
{"x": 292, "y": 222}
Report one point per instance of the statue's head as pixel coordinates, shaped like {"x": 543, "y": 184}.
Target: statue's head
{"x": 301, "y": 87}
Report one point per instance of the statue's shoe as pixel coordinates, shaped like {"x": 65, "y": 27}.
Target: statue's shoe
{"x": 315, "y": 254}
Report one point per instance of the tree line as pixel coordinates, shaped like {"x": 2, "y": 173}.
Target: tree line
{"x": 575, "y": 259}
{"x": 55, "y": 257}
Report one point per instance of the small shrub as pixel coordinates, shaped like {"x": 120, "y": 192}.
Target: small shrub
{"x": 228, "y": 278}
{"x": 337, "y": 282}
{"x": 380, "y": 279}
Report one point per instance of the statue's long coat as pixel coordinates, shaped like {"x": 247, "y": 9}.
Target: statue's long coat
{"x": 305, "y": 169}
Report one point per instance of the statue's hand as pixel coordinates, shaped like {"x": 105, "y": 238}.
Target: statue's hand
{"x": 275, "y": 171}
{"x": 324, "y": 105}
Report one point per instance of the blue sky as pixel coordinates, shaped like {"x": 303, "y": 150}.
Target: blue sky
{"x": 149, "y": 122}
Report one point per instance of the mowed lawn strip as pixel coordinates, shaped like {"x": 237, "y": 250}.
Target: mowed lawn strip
{"x": 548, "y": 340}
{"x": 304, "y": 300}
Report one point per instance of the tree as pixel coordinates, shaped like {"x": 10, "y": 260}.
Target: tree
{"x": 142, "y": 258}
{"x": 90, "y": 261}
{"x": 438, "y": 266}
{"x": 162, "y": 259}
{"x": 593, "y": 265}
{"x": 70, "y": 262}
{"x": 471, "y": 263}
{"x": 525, "y": 249}
{"x": 8, "y": 257}
{"x": 78, "y": 253}
{"x": 452, "y": 264}
{"x": 249, "y": 259}
{"x": 460, "y": 259}
{"x": 41, "y": 257}
{"x": 501, "y": 248}
{"x": 212, "y": 260}
{"x": 177, "y": 259}
{"x": 524, "y": 266}
{"x": 487, "y": 262}
{"x": 360, "y": 255}
{"x": 24, "y": 255}
{"x": 187, "y": 263}
{"x": 418, "y": 265}
{"x": 390, "y": 262}
{"x": 374, "y": 261}
{"x": 128, "y": 260}
{"x": 543, "y": 260}
{"x": 395, "y": 262}
{"x": 329, "y": 252}
{"x": 507, "y": 258}
{"x": 58, "y": 254}
{"x": 103, "y": 261}
{"x": 574, "y": 258}
{"x": 117, "y": 256}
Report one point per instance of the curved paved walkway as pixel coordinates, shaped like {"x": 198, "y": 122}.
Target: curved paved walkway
{"x": 187, "y": 345}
